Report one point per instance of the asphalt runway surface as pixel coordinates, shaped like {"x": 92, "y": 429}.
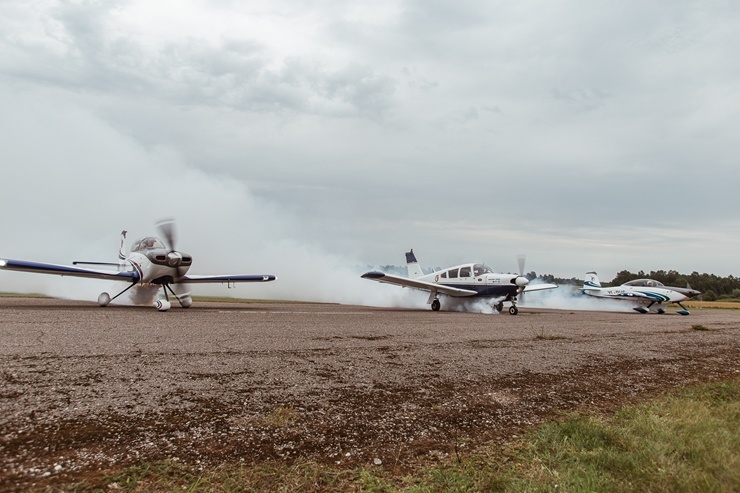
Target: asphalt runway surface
{"x": 85, "y": 389}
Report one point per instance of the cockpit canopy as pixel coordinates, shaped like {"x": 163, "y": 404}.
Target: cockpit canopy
{"x": 147, "y": 243}
{"x": 645, "y": 283}
{"x": 480, "y": 269}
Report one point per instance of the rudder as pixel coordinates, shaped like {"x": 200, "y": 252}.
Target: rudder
{"x": 591, "y": 281}
{"x": 413, "y": 266}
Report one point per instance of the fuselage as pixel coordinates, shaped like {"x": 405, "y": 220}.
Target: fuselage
{"x": 479, "y": 278}
{"x": 645, "y": 290}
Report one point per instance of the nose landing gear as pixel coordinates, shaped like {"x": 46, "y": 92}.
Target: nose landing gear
{"x": 513, "y": 310}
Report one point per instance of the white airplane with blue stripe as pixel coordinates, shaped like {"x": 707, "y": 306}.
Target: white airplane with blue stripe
{"x": 641, "y": 292}
{"x": 463, "y": 281}
{"x": 152, "y": 263}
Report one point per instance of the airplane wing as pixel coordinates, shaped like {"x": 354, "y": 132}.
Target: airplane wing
{"x": 417, "y": 284}
{"x": 66, "y": 270}
{"x": 192, "y": 279}
{"x": 538, "y": 287}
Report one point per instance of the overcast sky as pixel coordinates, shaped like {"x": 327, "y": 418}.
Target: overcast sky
{"x": 297, "y": 138}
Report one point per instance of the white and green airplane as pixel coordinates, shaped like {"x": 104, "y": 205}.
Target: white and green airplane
{"x": 641, "y": 292}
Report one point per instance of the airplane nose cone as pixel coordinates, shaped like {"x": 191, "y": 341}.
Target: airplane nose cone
{"x": 174, "y": 259}
{"x": 521, "y": 281}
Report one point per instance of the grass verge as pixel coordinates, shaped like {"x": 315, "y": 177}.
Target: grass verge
{"x": 686, "y": 441}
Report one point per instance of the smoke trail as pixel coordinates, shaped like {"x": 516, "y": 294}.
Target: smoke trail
{"x": 568, "y": 297}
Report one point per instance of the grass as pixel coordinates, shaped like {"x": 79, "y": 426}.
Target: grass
{"x": 723, "y": 305}
{"x": 689, "y": 441}
{"x": 281, "y": 417}
{"x": 545, "y": 336}
{"x": 683, "y": 442}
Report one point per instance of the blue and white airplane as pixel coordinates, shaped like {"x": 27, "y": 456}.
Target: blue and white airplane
{"x": 151, "y": 263}
{"x": 640, "y": 291}
{"x": 463, "y": 281}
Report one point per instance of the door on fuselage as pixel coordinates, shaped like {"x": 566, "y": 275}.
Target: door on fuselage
{"x": 450, "y": 277}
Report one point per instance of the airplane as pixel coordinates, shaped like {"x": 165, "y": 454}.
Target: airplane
{"x": 642, "y": 291}
{"x": 463, "y": 281}
{"x": 151, "y": 263}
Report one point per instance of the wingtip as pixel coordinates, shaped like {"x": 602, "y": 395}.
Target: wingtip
{"x": 373, "y": 275}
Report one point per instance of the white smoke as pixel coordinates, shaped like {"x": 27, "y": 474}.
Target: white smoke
{"x": 77, "y": 182}
{"x": 472, "y": 305}
{"x": 568, "y": 297}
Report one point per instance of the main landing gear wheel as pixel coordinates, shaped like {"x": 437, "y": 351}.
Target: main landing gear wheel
{"x": 103, "y": 299}
{"x": 436, "y": 305}
{"x": 513, "y": 310}
{"x": 499, "y": 306}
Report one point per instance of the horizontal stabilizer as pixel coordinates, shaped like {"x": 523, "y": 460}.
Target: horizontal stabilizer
{"x": 80, "y": 262}
{"x": 227, "y": 278}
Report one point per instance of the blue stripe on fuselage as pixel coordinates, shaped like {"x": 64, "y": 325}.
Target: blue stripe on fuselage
{"x": 487, "y": 290}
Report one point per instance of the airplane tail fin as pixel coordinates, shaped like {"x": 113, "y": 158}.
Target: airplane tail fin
{"x": 122, "y": 252}
{"x": 413, "y": 266}
{"x": 591, "y": 281}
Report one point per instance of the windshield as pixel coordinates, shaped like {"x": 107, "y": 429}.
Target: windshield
{"x": 148, "y": 243}
{"x": 480, "y": 269}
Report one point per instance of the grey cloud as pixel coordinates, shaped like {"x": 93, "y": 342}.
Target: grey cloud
{"x": 452, "y": 128}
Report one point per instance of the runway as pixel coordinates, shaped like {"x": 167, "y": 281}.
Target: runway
{"x": 85, "y": 387}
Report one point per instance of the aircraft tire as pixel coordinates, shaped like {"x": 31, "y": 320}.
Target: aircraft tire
{"x": 436, "y": 305}
{"x": 513, "y": 310}
{"x": 103, "y": 299}
{"x": 499, "y": 306}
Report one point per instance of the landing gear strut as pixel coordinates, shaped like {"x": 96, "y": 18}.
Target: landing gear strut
{"x": 104, "y": 299}
{"x": 164, "y": 305}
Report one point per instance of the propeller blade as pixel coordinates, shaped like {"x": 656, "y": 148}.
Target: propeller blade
{"x": 520, "y": 260}
{"x": 167, "y": 229}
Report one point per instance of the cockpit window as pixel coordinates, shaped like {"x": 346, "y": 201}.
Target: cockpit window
{"x": 480, "y": 269}
{"x": 464, "y": 271}
{"x": 645, "y": 283}
{"x": 148, "y": 243}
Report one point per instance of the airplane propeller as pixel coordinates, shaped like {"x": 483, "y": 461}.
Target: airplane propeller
{"x": 521, "y": 281}
{"x": 167, "y": 228}
{"x": 174, "y": 258}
